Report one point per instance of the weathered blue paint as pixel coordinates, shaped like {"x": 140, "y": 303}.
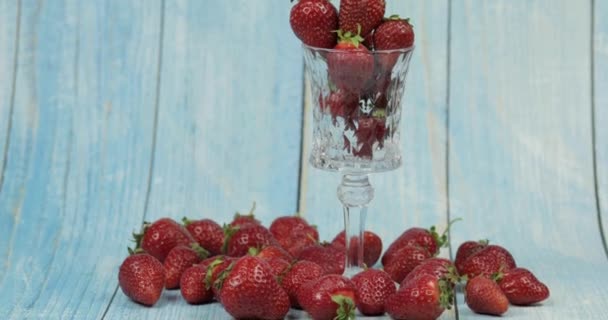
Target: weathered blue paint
{"x": 113, "y": 122}
{"x": 520, "y": 136}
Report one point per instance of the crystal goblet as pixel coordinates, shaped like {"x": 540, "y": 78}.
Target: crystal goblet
{"x": 356, "y": 103}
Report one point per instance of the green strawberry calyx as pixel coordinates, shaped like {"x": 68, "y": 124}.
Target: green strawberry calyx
{"x": 346, "y": 307}
{"x": 442, "y": 240}
{"x": 349, "y": 37}
{"x": 138, "y": 237}
{"x": 209, "y": 274}
{"x": 186, "y": 221}
{"x": 200, "y": 251}
{"x": 446, "y": 293}
{"x": 219, "y": 282}
{"x": 229, "y": 232}
{"x": 249, "y": 215}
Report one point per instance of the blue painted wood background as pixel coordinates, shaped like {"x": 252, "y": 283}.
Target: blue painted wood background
{"x": 112, "y": 112}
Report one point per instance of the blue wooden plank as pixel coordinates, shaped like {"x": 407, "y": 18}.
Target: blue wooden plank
{"x": 228, "y": 123}
{"x": 601, "y": 109}
{"x": 79, "y": 155}
{"x": 520, "y": 166}
{"x": 413, "y": 195}
{"x": 8, "y": 37}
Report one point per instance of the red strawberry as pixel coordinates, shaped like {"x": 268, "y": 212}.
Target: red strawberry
{"x": 373, "y": 288}
{"x": 271, "y": 252}
{"x": 300, "y": 273}
{"x": 249, "y": 290}
{"x": 466, "y": 249}
{"x": 178, "y": 260}
{"x": 329, "y": 297}
{"x": 277, "y": 266}
{"x": 293, "y": 233}
{"x": 363, "y": 14}
{"x": 404, "y": 261}
{"x": 331, "y": 259}
{"x": 350, "y": 64}
{"x": 439, "y": 267}
{"x": 313, "y": 22}
{"x": 239, "y": 239}
{"x": 425, "y": 238}
{"x": 244, "y": 219}
{"x": 521, "y": 287}
{"x": 160, "y": 237}
{"x": 488, "y": 261}
{"x": 142, "y": 278}
{"x": 341, "y": 104}
{"x": 394, "y": 33}
{"x": 483, "y": 295}
{"x": 372, "y": 246}
{"x": 423, "y": 298}
{"x": 192, "y": 285}
{"x": 207, "y": 233}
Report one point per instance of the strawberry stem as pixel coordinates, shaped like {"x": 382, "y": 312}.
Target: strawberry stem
{"x": 348, "y": 37}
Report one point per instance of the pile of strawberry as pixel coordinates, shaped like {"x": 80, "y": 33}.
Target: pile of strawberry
{"x": 259, "y": 273}
{"x": 358, "y": 76}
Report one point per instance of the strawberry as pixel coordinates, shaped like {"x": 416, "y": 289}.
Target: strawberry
{"x": 394, "y": 33}
{"x": 160, "y": 237}
{"x": 341, "y": 104}
{"x": 521, "y": 286}
{"x": 350, "y": 65}
{"x": 313, "y": 22}
{"x": 331, "y": 259}
{"x": 425, "y": 238}
{"x": 239, "y": 239}
{"x": 293, "y": 233}
{"x": 372, "y": 246}
{"x": 439, "y": 267}
{"x": 373, "y": 288}
{"x": 487, "y": 261}
{"x": 329, "y": 297}
{"x": 244, "y": 219}
{"x": 466, "y": 249}
{"x": 207, "y": 233}
{"x": 483, "y": 295}
{"x": 179, "y": 259}
{"x": 192, "y": 285}
{"x": 423, "y": 298}
{"x": 404, "y": 261}
{"x": 249, "y": 290}
{"x": 298, "y": 274}
{"x": 142, "y": 277}
{"x": 363, "y": 14}
{"x": 270, "y": 252}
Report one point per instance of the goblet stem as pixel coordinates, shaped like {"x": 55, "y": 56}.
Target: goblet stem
{"x": 355, "y": 192}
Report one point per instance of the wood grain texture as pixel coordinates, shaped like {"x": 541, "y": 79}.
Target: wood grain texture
{"x": 521, "y": 170}
{"x": 79, "y": 153}
{"x": 8, "y": 37}
{"x": 601, "y": 109}
{"x": 229, "y": 123}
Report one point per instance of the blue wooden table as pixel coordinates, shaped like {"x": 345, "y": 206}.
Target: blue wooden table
{"x": 113, "y": 112}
